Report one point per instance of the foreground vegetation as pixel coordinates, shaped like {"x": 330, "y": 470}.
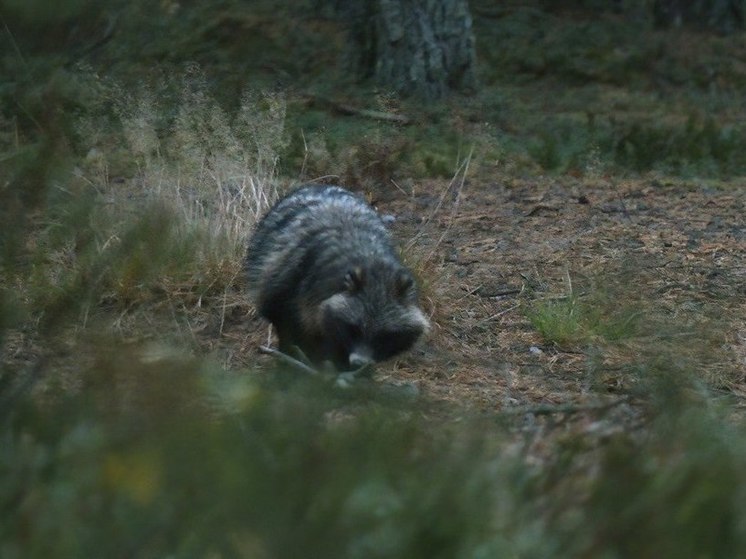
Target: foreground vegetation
{"x": 161, "y": 454}
{"x": 126, "y": 200}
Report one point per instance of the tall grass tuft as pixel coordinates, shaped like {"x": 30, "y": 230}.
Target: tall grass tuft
{"x": 216, "y": 173}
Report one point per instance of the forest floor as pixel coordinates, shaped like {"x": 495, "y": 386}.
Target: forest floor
{"x": 543, "y": 290}
{"x": 662, "y": 263}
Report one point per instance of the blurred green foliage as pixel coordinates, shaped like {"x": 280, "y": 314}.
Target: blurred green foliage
{"x": 159, "y": 454}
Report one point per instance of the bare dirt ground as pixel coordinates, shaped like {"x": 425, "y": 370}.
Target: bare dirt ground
{"x": 675, "y": 249}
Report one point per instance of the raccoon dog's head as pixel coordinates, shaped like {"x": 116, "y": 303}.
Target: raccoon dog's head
{"x": 372, "y": 316}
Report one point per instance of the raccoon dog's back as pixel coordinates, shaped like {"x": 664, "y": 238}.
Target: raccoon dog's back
{"x": 323, "y": 270}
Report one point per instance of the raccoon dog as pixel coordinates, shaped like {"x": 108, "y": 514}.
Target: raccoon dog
{"x": 323, "y": 270}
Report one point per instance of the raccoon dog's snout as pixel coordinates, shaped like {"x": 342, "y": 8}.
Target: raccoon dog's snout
{"x": 323, "y": 270}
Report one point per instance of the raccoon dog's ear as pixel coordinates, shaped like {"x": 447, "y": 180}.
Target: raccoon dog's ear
{"x": 404, "y": 283}
{"x": 354, "y": 279}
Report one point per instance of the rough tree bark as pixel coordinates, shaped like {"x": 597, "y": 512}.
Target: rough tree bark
{"x": 415, "y": 47}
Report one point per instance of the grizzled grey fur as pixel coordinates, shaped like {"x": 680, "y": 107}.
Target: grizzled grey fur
{"x": 323, "y": 270}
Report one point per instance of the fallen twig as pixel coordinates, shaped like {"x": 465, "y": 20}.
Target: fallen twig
{"x": 499, "y": 314}
{"x": 343, "y": 378}
{"x": 292, "y": 361}
{"x": 487, "y": 294}
{"x": 345, "y": 109}
{"x": 538, "y": 207}
{"x": 548, "y": 409}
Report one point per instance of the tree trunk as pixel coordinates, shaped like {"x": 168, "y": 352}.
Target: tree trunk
{"x": 416, "y": 47}
{"x": 725, "y": 16}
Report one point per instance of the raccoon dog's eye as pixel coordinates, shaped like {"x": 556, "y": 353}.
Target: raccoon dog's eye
{"x": 354, "y": 279}
{"x": 404, "y": 283}
{"x": 354, "y": 331}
